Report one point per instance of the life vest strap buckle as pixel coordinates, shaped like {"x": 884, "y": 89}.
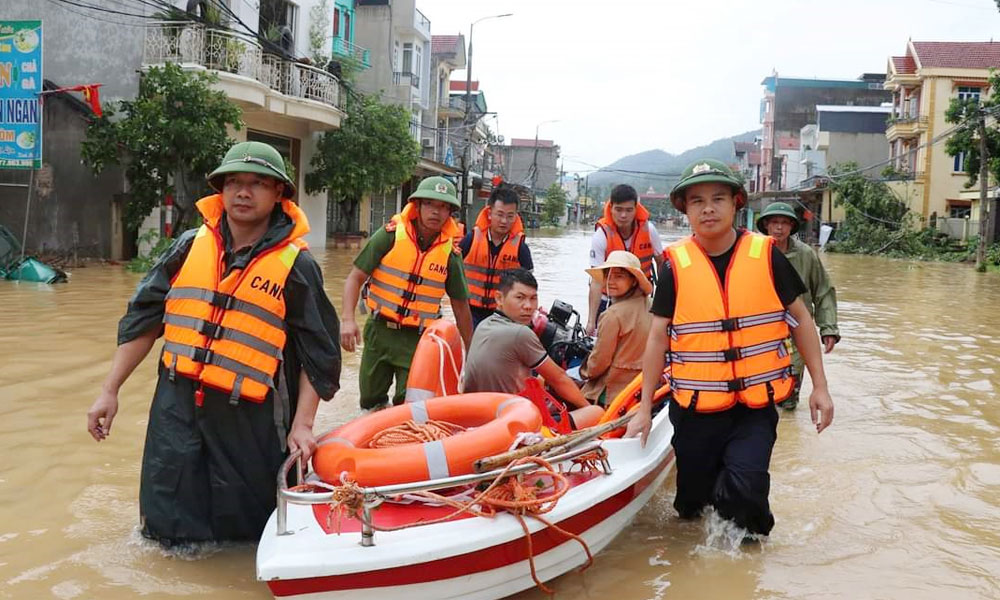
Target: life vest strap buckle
{"x": 416, "y": 278}
{"x": 223, "y": 301}
{"x": 737, "y": 385}
{"x": 730, "y": 324}
{"x": 408, "y": 296}
{"x": 731, "y": 354}
{"x": 202, "y": 355}
{"x": 211, "y": 330}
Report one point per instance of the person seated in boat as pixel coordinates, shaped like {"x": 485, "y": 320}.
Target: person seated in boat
{"x": 504, "y": 351}
{"x": 621, "y": 330}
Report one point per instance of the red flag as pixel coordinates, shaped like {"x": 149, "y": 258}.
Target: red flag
{"x": 90, "y": 94}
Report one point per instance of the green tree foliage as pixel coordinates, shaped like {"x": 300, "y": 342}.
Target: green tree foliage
{"x": 174, "y": 131}
{"x": 371, "y": 153}
{"x": 877, "y": 221}
{"x": 555, "y": 205}
{"x": 965, "y": 113}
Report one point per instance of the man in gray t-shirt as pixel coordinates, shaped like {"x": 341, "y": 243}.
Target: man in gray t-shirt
{"x": 504, "y": 350}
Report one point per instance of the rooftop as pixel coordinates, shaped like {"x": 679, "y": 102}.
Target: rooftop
{"x": 446, "y": 44}
{"x": 957, "y": 55}
{"x": 854, "y": 109}
{"x": 530, "y": 143}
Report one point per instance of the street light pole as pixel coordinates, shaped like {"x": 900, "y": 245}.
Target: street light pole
{"x": 534, "y": 166}
{"x": 467, "y": 153}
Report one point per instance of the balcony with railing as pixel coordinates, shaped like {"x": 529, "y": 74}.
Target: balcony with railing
{"x": 905, "y": 125}
{"x": 422, "y": 24}
{"x": 406, "y": 78}
{"x": 247, "y": 73}
{"x": 346, "y": 49}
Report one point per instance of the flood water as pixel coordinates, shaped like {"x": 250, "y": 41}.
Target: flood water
{"x": 900, "y": 498}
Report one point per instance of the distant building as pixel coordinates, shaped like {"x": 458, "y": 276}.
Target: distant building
{"x": 923, "y": 81}
{"x": 789, "y": 104}
{"x": 748, "y": 163}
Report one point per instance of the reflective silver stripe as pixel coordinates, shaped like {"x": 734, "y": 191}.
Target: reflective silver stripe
{"x": 741, "y": 323}
{"x": 723, "y": 386}
{"x": 397, "y": 309}
{"x": 476, "y": 268}
{"x": 239, "y": 337}
{"x": 418, "y": 410}
{"x": 782, "y": 373}
{"x": 400, "y": 291}
{"x": 701, "y": 386}
{"x": 437, "y": 462}
{"x": 222, "y": 362}
{"x": 708, "y": 356}
{"x": 190, "y": 293}
{"x": 508, "y": 402}
{"x": 792, "y": 321}
{"x": 337, "y": 440}
{"x": 406, "y": 276}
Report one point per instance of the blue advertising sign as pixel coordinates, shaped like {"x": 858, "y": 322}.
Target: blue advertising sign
{"x": 20, "y": 84}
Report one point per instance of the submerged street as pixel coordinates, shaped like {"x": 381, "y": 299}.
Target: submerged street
{"x": 897, "y": 500}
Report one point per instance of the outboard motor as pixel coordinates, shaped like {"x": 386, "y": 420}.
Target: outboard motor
{"x": 567, "y": 345}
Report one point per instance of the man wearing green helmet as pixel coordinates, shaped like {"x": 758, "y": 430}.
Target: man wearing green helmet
{"x": 725, "y": 304}
{"x": 249, "y": 349}
{"x": 407, "y": 267}
{"x": 780, "y": 222}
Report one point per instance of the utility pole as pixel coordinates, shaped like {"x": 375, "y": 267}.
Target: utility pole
{"x": 985, "y": 212}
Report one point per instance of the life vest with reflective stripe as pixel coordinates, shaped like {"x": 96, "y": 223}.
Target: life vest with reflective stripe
{"x": 728, "y": 339}
{"x": 409, "y": 283}
{"x": 228, "y": 332}
{"x": 483, "y": 270}
{"x": 641, "y": 245}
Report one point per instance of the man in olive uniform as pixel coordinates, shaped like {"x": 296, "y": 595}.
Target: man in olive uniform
{"x": 249, "y": 349}
{"x": 780, "y": 222}
{"x": 407, "y": 266}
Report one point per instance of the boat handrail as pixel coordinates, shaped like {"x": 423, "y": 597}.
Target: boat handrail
{"x": 374, "y": 496}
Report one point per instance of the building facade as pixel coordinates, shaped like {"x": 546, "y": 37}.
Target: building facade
{"x": 286, "y": 101}
{"x": 789, "y": 104}
{"x": 923, "y": 81}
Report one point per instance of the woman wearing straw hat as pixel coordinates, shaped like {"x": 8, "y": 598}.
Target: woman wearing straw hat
{"x": 621, "y": 330}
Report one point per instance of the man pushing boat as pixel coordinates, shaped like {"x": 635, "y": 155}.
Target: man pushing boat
{"x": 725, "y": 305}
{"x": 409, "y": 265}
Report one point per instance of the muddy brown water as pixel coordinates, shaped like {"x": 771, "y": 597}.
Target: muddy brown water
{"x": 899, "y": 499}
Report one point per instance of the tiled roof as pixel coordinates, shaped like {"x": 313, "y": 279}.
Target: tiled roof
{"x": 744, "y": 146}
{"x": 530, "y": 142}
{"x": 904, "y": 65}
{"x": 458, "y": 85}
{"x": 958, "y": 55}
{"x": 445, "y": 44}
{"x": 753, "y": 158}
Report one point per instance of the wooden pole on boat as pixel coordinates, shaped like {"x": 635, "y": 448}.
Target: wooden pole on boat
{"x": 497, "y": 461}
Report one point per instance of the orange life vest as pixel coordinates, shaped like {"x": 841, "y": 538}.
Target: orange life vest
{"x": 228, "y": 332}
{"x": 641, "y": 245}
{"x": 483, "y": 271}
{"x": 728, "y": 340}
{"x": 409, "y": 283}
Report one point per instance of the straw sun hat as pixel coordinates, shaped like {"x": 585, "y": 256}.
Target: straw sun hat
{"x": 623, "y": 260}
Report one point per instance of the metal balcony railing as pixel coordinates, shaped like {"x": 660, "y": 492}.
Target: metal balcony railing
{"x": 406, "y": 78}
{"x": 225, "y": 51}
{"x": 348, "y": 49}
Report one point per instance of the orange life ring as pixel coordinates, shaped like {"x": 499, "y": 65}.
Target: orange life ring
{"x": 497, "y": 419}
{"x": 628, "y": 399}
{"x": 437, "y": 363}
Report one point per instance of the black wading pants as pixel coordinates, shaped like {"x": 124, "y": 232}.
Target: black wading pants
{"x": 208, "y": 472}
{"x": 722, "y": 461}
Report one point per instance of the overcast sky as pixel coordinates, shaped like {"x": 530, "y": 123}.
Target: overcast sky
{"x": 624, "y": 76}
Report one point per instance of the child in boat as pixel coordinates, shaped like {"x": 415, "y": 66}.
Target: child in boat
{"x": 621, "y": 330}
{"x": 504, "y": 351}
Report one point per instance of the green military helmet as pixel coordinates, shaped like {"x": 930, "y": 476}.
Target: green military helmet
{"x": 774, "y": 209}
{"x": 436, "y": 188}
{"x": 707, "y": 171}
{"x": 252, "y": 157}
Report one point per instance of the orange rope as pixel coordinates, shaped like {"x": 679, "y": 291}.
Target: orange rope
{"x": 508, "y": 493}
{"x": 412, "y": 432}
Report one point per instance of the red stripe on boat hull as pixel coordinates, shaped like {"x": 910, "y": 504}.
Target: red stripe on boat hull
{"x": 485, "y": 559}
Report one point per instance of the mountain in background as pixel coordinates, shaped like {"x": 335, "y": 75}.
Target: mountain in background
{"x": 659, "y": 169}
